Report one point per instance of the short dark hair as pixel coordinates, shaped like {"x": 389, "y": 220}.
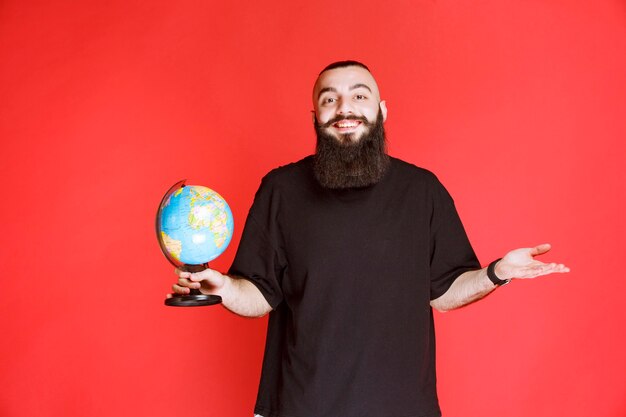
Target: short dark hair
{"x": 342, "y": 64}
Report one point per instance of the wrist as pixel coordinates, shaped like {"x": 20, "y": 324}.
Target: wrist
{"x": 226, "y": 286}
{"x": 495, "y": 275}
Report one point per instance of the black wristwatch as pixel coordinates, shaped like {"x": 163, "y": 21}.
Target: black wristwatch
{"x": 491, "y": 273}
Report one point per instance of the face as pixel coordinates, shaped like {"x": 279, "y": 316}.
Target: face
{"x": 345, "y": 100}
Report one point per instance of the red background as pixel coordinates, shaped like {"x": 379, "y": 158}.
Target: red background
{"x": 518, "y": 106}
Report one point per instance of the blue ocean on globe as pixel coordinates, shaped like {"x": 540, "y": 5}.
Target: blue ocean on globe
{"x": 195, "y": 225}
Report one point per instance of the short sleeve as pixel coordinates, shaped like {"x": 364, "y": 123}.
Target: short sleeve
{"x": 258, "y": 259}
{"x": 451, "y": 252}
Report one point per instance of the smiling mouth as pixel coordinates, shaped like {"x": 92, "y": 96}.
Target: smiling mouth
{"x": 347, "y": 124}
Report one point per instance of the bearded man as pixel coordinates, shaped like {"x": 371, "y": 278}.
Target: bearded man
{"x": 348, "y": 250}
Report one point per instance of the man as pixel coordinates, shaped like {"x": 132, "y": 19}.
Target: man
{"x": 349, "y": 249}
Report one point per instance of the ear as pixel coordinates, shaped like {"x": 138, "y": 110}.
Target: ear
{"x": 313, "y": 116}
{"x": 383, "y": 109}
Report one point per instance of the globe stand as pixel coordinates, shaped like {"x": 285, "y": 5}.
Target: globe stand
{"x": 195, "y": 298}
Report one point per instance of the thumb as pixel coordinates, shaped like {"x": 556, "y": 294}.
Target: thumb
{"x": 201, "y": 276}
{"x": 196, "y": 277}
{"x": 540, "y": 249}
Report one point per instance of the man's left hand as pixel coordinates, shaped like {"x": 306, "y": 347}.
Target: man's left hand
{"x": 521, "y": 264}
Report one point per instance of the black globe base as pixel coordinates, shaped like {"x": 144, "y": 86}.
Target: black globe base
{"x": 193, "y": 300}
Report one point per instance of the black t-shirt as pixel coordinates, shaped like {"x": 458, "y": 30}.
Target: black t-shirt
{"x": 350, "y": 274}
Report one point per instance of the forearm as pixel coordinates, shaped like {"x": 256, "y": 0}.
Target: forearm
{"x": 468, "y": 287}
{"x": 243, "y": 298}
{"x": 474, "y": 285}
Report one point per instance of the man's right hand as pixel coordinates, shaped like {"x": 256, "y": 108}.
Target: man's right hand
{"x": 208, "y": 281}
{"x": 238, "y": 294}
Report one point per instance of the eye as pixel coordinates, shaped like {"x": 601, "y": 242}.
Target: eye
{"x": 360, "y": 97}
{"x": 329, "y": 100}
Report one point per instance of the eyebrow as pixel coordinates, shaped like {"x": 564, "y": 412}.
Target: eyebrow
{"x": 360, "y": 85}
{"x": 334, "y": 90}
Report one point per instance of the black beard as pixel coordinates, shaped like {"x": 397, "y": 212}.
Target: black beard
{"x": 344, "y": 163}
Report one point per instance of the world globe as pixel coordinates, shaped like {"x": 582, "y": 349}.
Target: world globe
{"x": 194, "y": 226}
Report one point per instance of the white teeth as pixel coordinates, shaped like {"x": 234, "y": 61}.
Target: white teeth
{"x": 347, "y": 124}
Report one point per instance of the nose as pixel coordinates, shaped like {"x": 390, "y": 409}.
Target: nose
{"x": 344, "y": 107}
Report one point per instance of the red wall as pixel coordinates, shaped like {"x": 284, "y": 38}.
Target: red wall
{"x": 518, "y": 106}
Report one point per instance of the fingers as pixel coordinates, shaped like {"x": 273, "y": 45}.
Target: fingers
{"x": 184, "y": 282}
{"x": 195, "y": 276}
{"x": 541, "y": 269}
{"x": 206, "y": 280}
{"x": 179, "y": 289}
{"x": 554, "y": 267}
{"x": 182, "y": 274}
{"x": 540, "y": 249}
{"x": 183, "y": 285}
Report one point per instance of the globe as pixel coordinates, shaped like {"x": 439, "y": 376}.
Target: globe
{"x": 194, "y": 226}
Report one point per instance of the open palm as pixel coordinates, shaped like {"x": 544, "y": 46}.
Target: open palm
{"x": 521, "y": 263}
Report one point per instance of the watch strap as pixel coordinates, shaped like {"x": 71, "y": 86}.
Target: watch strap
{"x": 491, "y": 273}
